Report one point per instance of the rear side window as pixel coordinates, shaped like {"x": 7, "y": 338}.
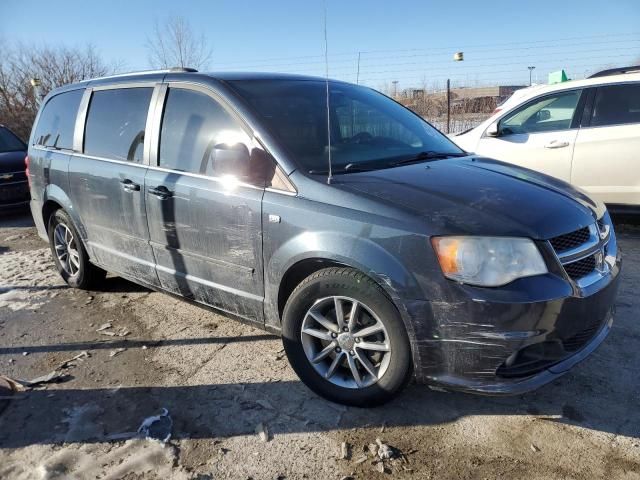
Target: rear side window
{"x": 616, "y": 105}
{"x": 57, "y": 121}
{"x": 115, "y": 123}
{"x": 196, "y": 130}
{"x": 9, "y": 142}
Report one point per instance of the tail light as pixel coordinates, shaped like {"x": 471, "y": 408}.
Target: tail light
{"x": 26, "y": 164}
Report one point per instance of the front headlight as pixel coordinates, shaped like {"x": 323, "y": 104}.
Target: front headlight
{"x": 488, "y": 261}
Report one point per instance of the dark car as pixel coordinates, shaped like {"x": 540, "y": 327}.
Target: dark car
{"x": 342, "y": 221}
{"x": 14, "y": 189}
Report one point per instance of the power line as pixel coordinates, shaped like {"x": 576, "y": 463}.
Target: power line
{"x": 555, "y": 41}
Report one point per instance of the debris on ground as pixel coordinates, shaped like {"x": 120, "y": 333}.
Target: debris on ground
{"x": 13, "y": 384}
{"x": 360, "y": 460}
{"x": 24, "y": 354}
{"x": 89, "y": 300}
{"x": 380, "y": 467}
{"x": 69, "y": 362}
{"x": 385, "y": 451}
{"x": 105, "y": 330}
{"x": 51, "y": 377}
{"x": 534, "y": 448}
{"x": 262, "y": 432}
{"x": 344, "y": 451}
{"x": 115, "y": 352}
{"x": 157, "y": 427}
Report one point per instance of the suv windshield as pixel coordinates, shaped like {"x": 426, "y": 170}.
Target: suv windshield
{"x": 9, "y": 142}
{"x": 368, "y": 130}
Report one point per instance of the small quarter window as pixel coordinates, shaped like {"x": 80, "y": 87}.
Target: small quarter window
{"x": 616, "y": 105}
{"x": 116, "y": 122}
{"x": 57, "y": 121}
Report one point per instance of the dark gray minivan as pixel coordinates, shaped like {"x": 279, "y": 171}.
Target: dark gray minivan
{"x": 329, "y": 214}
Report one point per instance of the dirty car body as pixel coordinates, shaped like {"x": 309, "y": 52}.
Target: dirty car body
{"x": 243, "y": 243}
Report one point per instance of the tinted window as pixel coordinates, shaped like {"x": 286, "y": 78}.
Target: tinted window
{"x": 115, "y": 123}
{"x": 58, "y": 120}
{"x": 9, "y": 142}
{"x": 366, "y": 126}
{"x": 616, "y": 105}
{"x": 199, "y": 136}
{"x": 551, "y": 113}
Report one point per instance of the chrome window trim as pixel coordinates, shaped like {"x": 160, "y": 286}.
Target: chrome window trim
{"x": 42, "y": 148}
{"x": 124, "y": 85}
{"x": 178, "y": 172}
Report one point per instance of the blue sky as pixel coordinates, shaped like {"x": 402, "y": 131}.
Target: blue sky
{"x": 406, "y": 40}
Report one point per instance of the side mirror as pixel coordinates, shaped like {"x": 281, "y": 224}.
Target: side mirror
{"x": 231, "y": 160}
{"x": 492, "y": 130}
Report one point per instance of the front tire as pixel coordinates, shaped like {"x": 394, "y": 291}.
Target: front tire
{"x": 345, "y": 339}
{"x": 69, "y": 255}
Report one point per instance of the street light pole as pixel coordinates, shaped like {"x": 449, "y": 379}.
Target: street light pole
{"x": 457, "y": 57}
{"x": 530, "y": 71}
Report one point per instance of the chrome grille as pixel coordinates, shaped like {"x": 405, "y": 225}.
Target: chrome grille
{"x": 583, "y": 252}
{"x": 581, "y": 268}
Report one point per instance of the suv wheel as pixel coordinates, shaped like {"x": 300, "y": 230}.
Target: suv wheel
{"x": 345, "y": 339}
{"x": 69, "y": 254}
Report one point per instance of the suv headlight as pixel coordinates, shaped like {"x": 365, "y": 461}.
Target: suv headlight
{"x": 488, "y": 261}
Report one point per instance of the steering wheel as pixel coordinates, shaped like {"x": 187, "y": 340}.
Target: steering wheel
{"x": 362, "y": 137}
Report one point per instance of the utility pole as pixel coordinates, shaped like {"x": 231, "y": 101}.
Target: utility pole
{"x": 530, "y": 71}
{"x": 457, "y": 57}
{"x": 448, "y": 105}
{"x": 358, "y": 72}
{"x": 395, "y": 88}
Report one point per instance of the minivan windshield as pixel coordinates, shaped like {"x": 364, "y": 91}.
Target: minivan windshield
{"x": 369, "y": 131}
{"x": 9, "y": 142}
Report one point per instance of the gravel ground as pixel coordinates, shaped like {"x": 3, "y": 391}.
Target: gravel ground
{"x": 239, "y": 411}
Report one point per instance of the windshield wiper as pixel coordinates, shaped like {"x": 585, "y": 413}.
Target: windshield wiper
{"x": 430, "y": 155}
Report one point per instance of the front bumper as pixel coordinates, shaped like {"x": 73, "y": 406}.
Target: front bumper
{"x": 507, "y": 341}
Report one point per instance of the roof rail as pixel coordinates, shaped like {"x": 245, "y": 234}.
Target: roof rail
{"x": 616, "y": 71}
{"x": 182, "y": 69}
{"x": 140, "y": 72}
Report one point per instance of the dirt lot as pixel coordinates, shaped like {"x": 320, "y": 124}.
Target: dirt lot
{"x": 220, "y": 380}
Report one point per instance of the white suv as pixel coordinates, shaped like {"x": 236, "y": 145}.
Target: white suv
{"x": 586, "y": 132}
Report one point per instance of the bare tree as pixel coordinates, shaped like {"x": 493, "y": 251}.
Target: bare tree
{"x": 52, "y": 66}
{"x": 174, "y": 44}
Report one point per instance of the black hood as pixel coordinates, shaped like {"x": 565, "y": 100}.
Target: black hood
{"x": 12, "y": 162}
{"x": 479, "y": 196}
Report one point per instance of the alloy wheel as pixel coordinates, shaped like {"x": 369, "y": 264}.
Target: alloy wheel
{"x": 345, "y": 342}
{"x": 66, "y": 249}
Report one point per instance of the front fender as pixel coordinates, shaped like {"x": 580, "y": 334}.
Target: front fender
{"x": 359, "y": 253}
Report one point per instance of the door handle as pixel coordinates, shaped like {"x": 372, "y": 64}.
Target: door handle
{"x": 556, "y": 144}
{"x": 129, "y": 186}
{"x": 161, "y": 192}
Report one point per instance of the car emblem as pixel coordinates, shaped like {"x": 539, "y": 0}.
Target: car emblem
{"x": 6, "y": 176}
{"x": 603, "y": 231}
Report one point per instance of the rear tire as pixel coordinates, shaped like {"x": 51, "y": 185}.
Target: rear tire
{"x": 69, "y": 254}
{"x": 361, "y": 359}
